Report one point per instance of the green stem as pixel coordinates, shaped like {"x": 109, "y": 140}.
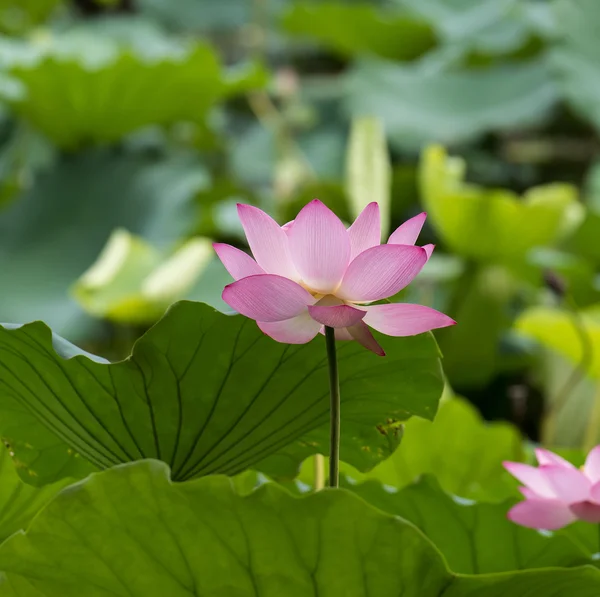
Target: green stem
{"x": 319, "y": 472}
{"x": 334, "y": 392}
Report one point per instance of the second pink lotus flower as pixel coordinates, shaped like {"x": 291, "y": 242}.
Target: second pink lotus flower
{"x": 313, "y": 272}
{"x": 556, "y": 492}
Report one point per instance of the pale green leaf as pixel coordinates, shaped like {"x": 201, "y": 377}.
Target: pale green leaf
{"x": 493, "y": 224}
{"x": 560, "y": 330}
{"x": 51, "y": 233}
{"x": 133, "y": 282}
{"x": 569, "y": 369}
{"x": 368, "y": 169}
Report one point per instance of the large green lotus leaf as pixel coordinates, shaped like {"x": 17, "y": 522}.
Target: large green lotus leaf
{"x": 369, "y": 446}
{"x": 576, "y": 55}
{"x": 133, "y": 282}
{"x": 210, "y": 393}
{"x": 129, "y": 531}
{"x": 54, "y": 231}
{"x": 360, "y": 28}
{"x": 462, "y": 451}
{"x": 554, "y": 582}
{"x": 99, "y": 82}
{"x": 41, "y": 457}
{"x": 19, "y": 502}
{"x": 493, "y": 224}
{"x": 420, "y": 104}
{"x": 475, "y": 538}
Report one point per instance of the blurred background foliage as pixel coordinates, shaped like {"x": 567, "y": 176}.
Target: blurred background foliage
{"x": 129, "y": 129}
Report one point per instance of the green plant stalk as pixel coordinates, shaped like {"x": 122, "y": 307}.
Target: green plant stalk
{"x": 334, "y": 393}
{"x": 319, "y": 472}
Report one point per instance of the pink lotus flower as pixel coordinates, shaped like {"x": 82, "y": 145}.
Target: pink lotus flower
{"x": 557, "y": 493}
{"x": 313, "y": 272}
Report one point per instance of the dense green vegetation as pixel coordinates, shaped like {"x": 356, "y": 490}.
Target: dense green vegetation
{"x": 155, "y": 444}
